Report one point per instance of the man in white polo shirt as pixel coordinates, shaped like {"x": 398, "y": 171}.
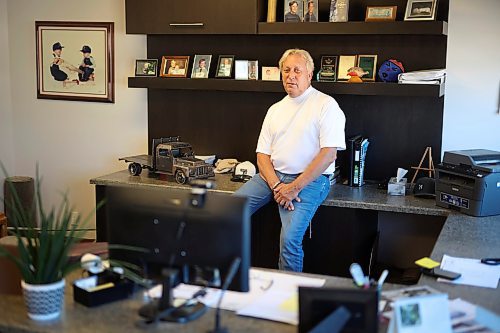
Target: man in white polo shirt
{"x": 296, "y": 154}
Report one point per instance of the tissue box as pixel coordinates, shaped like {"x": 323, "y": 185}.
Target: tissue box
{"x": 396, "y": 188}
{"x": 86, "y": 291}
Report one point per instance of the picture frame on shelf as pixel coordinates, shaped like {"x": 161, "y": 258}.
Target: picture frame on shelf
{"x": 75, "y": 61}
{"x": 174, "y": 66}
{"x": 253, "y": 70}
{"x": 271, "y": 74}
{"x": 328, "y": 68}
{"x": 225, "y": 66}
{"x": 339, "y": 11}
{"x": 241, "y": 69}
{"x": 293, "y": 11}
{"x": 420, "y": 10}
{"x": 368, "y": 62}
{"x": 380, "y": 13}
{"x": 201, "y": 66}
{"x": 311, "y": 11}
{"x": 146, "y": 67}
{"x": 345, "y": 62}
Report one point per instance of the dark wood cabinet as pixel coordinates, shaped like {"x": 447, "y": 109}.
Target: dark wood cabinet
{"x": 191, "y": 17}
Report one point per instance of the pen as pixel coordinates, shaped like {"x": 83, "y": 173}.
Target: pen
{"x": 357, "y": 274}
{"x": 491, "y": 261}
{"x": 382, "y": 278}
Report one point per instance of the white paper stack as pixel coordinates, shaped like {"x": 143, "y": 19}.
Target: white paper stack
{"x": 430, "y": 76}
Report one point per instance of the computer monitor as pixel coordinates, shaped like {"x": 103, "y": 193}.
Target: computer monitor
{"x": 317, "y": 304}
{"x": 180, "y": 229}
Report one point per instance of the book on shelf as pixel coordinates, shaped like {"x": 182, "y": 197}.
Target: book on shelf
{"x": 357, "y": 147}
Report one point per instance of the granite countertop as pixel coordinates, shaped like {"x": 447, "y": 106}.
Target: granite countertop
{"x": 366, "y": 197}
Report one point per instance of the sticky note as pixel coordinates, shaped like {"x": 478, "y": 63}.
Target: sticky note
{"x": 291, "y": 304}
{"x": 427, "y": 262}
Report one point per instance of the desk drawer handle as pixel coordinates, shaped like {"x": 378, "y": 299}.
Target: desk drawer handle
{"x": 186, "y": 25}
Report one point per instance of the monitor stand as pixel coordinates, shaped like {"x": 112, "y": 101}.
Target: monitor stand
{"x": 163, "y": 309}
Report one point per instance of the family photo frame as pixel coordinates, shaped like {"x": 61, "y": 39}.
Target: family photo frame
{"x": 225, "y": 66}
{"x": 75, "y": 60}
{"x": 201, "y": 66}
{"x": 174, "y": 66}
{"x": 146, "y": 67}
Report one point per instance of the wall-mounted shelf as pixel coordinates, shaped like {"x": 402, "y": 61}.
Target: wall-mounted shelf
{"x": 338, "y": 88}
{"x": 355, "y": 28}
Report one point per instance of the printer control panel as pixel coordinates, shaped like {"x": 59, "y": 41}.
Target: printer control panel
{"x": 463, "y": 169}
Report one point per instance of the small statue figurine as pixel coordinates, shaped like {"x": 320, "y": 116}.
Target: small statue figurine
{"x": 356, "y": 73}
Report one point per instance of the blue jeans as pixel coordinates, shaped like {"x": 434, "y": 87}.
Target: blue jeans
{"x": 293, "y": 223}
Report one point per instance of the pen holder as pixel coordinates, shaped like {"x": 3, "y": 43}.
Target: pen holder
{"x": 396, "y": 188}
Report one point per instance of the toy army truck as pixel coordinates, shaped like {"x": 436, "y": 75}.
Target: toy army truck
{"x": 171, "y": 157}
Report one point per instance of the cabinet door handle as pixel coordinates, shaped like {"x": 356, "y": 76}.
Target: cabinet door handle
{"x": 187, "y": 25}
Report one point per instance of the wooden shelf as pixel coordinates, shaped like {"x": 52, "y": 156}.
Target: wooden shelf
{"x": 333, "y": 88}
{"x": 356, "y": 28}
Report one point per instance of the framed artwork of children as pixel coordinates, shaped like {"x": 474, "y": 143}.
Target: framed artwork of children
{"x": 368, "y": 62}
{"x": 201, "y": 66}
{"x": 75, "y": 61}
{"x": 146, "y": 67}
{"x": 225, "y": 66}
{"x": 174, "y": 66}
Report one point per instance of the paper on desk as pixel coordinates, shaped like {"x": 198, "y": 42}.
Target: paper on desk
{"x": 260, "y": 282}
{"x": 474, "y": 273}
{"x": 280, "y": 302}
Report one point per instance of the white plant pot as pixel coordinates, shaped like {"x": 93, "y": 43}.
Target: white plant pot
{"x": 44, "y": 301}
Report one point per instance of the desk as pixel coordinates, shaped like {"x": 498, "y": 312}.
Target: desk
{"x": 456, "y": 234}
{"x": 121, "y": 317}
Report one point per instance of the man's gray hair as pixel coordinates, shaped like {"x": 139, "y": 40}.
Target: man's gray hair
{"x": 302, "y": 53}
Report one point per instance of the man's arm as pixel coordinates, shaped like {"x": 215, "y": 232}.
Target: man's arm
{"x": 284, "y": 194}
{"x": 266, "y": 169}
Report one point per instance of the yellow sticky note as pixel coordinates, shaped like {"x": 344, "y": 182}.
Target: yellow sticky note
{"x": 427, "y": 262}
{"x": 291, "y": 304}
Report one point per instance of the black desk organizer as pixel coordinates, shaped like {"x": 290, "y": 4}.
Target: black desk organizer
{"x": 122, "y": 289}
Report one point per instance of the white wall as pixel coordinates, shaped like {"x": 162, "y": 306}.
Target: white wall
{"x": 6, "y": 139}
{"x": 471, "y": 115}
{"x": 73, "y": 141}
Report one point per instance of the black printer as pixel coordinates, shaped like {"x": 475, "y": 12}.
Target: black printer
{"x": 469, "y": 181}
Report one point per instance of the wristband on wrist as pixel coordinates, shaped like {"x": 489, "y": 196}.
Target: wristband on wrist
{"x": 276, "y": 185}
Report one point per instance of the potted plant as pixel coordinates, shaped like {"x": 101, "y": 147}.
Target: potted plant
{"x": 44, "y": 252}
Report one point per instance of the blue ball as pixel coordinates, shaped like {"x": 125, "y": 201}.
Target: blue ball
{"x": 390, "y": 70}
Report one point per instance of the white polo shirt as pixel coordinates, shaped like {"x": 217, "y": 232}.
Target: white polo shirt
{"x": 295, "y": 129}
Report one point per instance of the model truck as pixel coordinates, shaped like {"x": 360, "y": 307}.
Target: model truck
{"x": 172, "y": 157}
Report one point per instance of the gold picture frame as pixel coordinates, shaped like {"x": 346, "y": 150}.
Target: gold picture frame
{"x": 174, "y": 66}
{"x": 380, "y": 13}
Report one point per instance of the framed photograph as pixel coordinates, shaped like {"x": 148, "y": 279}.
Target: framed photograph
{"x": 339, "y": 10}
{"x": 241, "y": 69}
{"x": 174, "y": 66}
{"x": 311, "y": 11}
{"x": 201, "y": 66}
{"x": 345, "y": 62}
{"x": 75, "y": 61}
{"x": 420, "y": 10}
{"x": 146, "y": 67}
{"x": 328, "y": 69}
{"x": 253, "y": 70}
{"x": 294, "y": 11}
{"x": 368, "y": 62}
{"x": 380, "y": 13}
{"x": 225, "y": 66}
{"x": 271, "y": 74}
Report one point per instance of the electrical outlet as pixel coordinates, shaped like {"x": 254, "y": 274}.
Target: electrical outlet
{"x": 74, "y": 218}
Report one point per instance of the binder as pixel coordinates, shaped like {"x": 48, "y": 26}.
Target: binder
{"x": 351, "y": 157}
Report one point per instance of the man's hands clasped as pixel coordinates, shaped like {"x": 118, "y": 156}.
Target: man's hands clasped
{"x": 285, "y": 194}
